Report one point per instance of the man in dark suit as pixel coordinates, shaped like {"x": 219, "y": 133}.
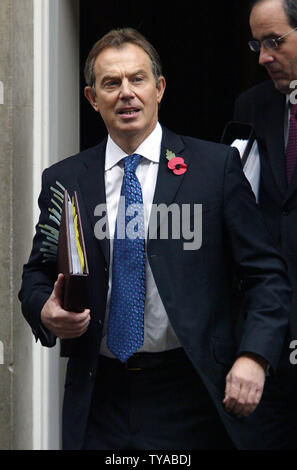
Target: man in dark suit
{"x": 268, "y": 108}
{"x": 164, "y": 371}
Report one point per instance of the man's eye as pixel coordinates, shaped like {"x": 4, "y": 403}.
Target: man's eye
{"x": 111, "y": 84}
{"x": 138, "y": 79}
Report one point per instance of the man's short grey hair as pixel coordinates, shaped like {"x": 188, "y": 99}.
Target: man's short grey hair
{"x": 118, "y": 38}
{"x": 290, "y": 7}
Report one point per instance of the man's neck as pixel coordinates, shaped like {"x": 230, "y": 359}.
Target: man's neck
{"x": 130, "y": 142}
{"x": 128, "y": 146}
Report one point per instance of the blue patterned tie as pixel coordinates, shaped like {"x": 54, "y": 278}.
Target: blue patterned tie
{"x": 125, "y": 324}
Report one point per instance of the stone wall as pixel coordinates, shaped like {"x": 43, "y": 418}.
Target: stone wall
{"x": 16, "y": 158}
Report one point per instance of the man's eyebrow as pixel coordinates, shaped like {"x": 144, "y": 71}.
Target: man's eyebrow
{"x": 271, "y": 35}
{"x": 109, "y": 77}
{"x": 268, "y": 36}
{"x": 115, "y": 76}
{"x": 140, "y": 71}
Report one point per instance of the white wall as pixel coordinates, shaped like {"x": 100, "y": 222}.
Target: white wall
{"x": 56, "y": 136}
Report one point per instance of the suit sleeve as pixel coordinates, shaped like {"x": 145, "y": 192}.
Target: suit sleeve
{"x": 267, "y": 293}
{"x": 39, "y": 274}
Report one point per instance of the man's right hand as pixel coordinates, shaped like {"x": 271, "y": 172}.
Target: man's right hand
{"x": 62, "y": 323}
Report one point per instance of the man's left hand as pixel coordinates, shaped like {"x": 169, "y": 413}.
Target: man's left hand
{"x": 244, "y": 386}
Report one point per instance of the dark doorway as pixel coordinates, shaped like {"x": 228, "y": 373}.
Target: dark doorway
{"x": 203, "y": 47}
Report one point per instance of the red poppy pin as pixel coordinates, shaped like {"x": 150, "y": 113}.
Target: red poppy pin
{"x": 176, "y": 164}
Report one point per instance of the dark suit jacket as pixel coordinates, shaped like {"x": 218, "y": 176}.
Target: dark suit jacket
{"x": 264, "y": 107}
{"x": 195, "y": 286}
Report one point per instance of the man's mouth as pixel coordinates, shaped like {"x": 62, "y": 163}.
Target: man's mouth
{"x": 274, "y": 72}
{"x": 128, "y": 112}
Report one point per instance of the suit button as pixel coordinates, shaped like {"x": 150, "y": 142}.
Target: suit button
{"x": 285, "y": 213}
{"x": 100, "y": 322}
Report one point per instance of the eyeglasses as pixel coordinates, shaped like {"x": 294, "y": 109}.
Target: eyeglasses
{"x": 268, "y": 43}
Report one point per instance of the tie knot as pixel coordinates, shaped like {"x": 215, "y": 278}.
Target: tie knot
{"x": 131, "y": 162}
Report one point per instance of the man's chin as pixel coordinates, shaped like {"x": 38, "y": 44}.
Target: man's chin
{"x": 130, "y": 127}
{"x": 283, "y": 86}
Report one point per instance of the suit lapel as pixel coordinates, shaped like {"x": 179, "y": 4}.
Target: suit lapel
{"x": 168, "y": 183}
{"x": 92, "y": 186}
{"x": 274, "y": 129}
{"x": 292, "y": 186}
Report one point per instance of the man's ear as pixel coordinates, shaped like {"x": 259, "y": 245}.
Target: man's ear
{"x": 91, "y": 97}
{"x": 160, "y": 88}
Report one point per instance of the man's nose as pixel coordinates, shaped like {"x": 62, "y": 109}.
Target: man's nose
{"x": 265, "y": 56}
{"x": 126, "y": 90}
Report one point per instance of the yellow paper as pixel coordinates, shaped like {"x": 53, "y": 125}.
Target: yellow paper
{"x": 79, "y": 249}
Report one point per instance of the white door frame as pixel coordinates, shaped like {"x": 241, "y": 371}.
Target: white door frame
{"x": 56, "y": 136}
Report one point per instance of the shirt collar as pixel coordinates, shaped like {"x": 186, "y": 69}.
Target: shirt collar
{"x": 149, "y": 148}
{"x": 288, "y": 100}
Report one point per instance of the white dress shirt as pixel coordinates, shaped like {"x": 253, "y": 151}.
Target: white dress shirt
{"x": 158, "y": 332}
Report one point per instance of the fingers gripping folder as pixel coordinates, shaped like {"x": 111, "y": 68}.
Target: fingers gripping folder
{"x": 72, "y": 261}
{"x": 242, "y": 136}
